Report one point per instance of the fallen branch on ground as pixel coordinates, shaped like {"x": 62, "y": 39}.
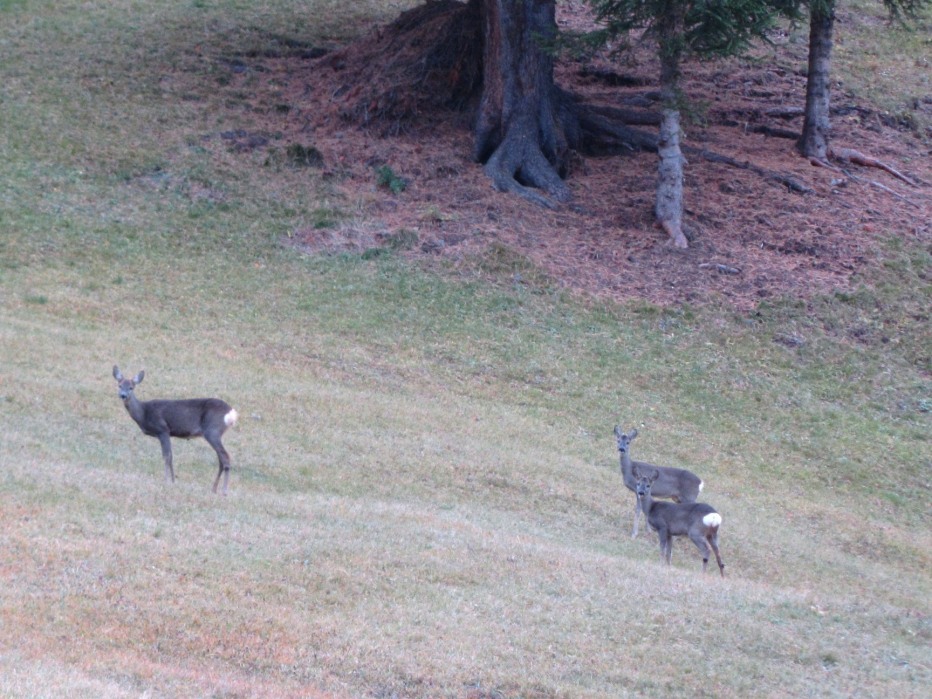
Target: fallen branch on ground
{"x": 819, "y": 162}
{"x": 849, "y": 155}
{"x": 790, "y": 183}
{"x": 720, "y": 268}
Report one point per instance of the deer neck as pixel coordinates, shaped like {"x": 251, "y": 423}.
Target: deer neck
{"x": 134, "y": 408}
{"x": 646, "y": 502}
{"x": 627, "y": 470}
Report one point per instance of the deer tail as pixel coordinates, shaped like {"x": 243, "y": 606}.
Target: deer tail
{"x": 231, "y": 417}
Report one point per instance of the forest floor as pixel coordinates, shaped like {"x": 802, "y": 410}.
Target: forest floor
{"x": 751, "y": 237}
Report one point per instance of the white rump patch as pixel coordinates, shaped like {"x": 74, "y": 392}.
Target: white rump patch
{"x": 713, "y": 519}
{"x": 701, "y": 485}
{"x": 231, "y": 417}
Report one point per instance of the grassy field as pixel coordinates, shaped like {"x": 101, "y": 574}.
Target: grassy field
{"x": 425, "y": 499}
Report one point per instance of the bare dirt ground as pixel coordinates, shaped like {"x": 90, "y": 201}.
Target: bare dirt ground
{"x": 751, "y": 238}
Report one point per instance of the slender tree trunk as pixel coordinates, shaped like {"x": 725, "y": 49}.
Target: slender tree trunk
{"x": 814, "y": 140}
{"x": 669, "y": 203}
{"x": 518, "y": 134}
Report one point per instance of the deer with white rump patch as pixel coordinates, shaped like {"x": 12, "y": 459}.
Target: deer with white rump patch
{"x": 196, "y": 417}
{"x": 698, "y": 521}
{"x": 678, "y": 484}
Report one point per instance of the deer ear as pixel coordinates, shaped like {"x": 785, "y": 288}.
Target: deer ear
{"x": 138, "y": 378}
{"x": 634, "y": 433}
{"x": 617, "y": 430}
{"x": 117, "y": 374}
{"x": 655, "y": 474}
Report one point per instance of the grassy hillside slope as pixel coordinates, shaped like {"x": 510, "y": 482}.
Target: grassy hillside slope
{"x": 425, "y": 499}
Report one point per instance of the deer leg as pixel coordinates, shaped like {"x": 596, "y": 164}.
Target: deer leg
{"x": 713, "y": 541}
{"x": 665, "y": 545}
{"x": 223, "y": 456}
{"x": 702, "y": 543}
{"x": 166, "y": 441}
{"x": 637, "y": 515}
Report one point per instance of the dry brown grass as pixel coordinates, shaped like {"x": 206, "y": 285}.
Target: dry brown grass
{"x": 387, "y": 538}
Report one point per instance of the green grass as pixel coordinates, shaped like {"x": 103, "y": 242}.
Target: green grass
{"x": 887, "y": 63}
{"x": 425, "y": 499}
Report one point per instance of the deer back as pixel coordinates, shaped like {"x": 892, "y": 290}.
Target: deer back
{"x": 185, "y": 418}
{"x": 675, "y": 483}
{"x": 678, "y": 518}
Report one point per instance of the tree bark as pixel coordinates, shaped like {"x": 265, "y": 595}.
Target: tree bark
{"x": 669, "y": 206}
{"x": 519, "y": 134}
{"x": 669, "y": 202}
{"x": 816, "y": 126}
{"x": 489, "y": 58}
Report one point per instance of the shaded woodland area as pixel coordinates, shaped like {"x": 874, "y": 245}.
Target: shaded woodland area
{"x": 411, "y": 99}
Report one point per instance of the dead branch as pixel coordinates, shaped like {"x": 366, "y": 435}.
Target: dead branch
{"x": 881, "y": 187}
{"x": 720, "y": 268}
{"x": 787, "y": 181}
{"x": 849, "y": 155}
{"x": 785, "y": 112}
{"x": 819, "y": 162}
{"x": 772, "y": 131}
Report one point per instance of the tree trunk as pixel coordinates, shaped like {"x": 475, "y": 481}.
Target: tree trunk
{"x": 669, "y": 203}
{"x": 518, "y": 134}
{"x": 487, "y": 57}
{"x": 669, "y": 206}
{"x": 814, "y": 140}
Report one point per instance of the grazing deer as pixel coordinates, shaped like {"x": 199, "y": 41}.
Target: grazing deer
{"x": 698, "y": 521}
{"x": 196, "y": 417}
{"x": 678, "y": 484}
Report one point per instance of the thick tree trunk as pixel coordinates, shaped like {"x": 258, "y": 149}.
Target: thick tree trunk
{"x": 518, "y": 134}
{"x": 669, "y": 203}
{"x": 814, "y": 140}
{"x": 488, "y": 57}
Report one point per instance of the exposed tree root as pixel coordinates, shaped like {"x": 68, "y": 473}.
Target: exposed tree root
{"x": 720, "y": 268}
{"x": 772, "y": 131}
{"x": 789, "y": 182}
{"x": 519, "y": 166}
{"x": 674, "y": 229}
{"x": 601, "y": 130}
{"x": 849, "y": 155}
{"x": 430, "y": 59}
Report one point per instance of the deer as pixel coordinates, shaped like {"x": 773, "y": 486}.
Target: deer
{"x": 698, "y": 521}
{"x": 678, "y": 484}
{"x": 195, "y": 417}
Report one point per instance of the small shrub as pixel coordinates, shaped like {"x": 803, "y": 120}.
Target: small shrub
{"x": 404, "y": 239}
{"x": 387, "y": 178}
{"x": 303, "y": 156}
{"x": 324, "y": 217}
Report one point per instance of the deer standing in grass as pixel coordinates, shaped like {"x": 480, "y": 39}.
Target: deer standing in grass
{"x": 698, "y": 521}
{"x": 196, "y": 417}
{"x": 678, "y": 484}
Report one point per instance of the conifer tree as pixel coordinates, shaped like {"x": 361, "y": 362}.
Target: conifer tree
{"x": 813, "y": 143}
{"x": 705, "y": 28}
